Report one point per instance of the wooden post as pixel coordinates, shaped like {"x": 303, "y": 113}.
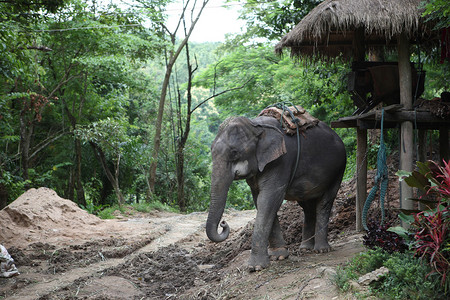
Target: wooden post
{"x": 359, "y": 54}
{"x": 422, "y": 153}
{"x": 406, "y": 128}
{"x": 444, "y": 147}
{"x": 361, "y": 174}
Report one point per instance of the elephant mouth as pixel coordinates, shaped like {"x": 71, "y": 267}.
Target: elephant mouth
{"x": 239, "y": 177}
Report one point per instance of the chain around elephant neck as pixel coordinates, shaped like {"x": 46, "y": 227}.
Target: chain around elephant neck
{"x": 284, "y": 106}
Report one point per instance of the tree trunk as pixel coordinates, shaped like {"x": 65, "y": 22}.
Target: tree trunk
{"x": 180, "y": 179}
{"x": 70, "y": 186}
{"x": 78, "y": 185}
{"x": 26, "y": 131}
{"x": 172, "y": 59}
{"x": 3, "y": 194}
{"x": 113, "y": 179}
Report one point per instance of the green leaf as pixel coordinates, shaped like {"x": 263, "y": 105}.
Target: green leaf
{"x": 399, "y": 230}
{"x": 402, "y": 174}
{"x": 417, "y": 180}
{"x": 406, "y": 218}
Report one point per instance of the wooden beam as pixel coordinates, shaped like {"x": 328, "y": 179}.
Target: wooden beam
{"x": 361, "y": 174}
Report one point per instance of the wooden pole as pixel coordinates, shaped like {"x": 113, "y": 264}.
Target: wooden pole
{"x": 361, "y": 174}
{"x": 422, "y": 153}
{"x": 444, "y": 147}
{"x": 406, "y": 127}
{"x": 359, "y": 53}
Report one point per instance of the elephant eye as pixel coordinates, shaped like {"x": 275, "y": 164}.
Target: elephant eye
{"x": 234, "y": 154}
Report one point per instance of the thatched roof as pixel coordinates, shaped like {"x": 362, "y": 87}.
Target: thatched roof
{"x": 330, "y": 28}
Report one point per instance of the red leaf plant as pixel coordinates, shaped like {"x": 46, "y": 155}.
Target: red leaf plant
{"x": 432, "y": 226}
{"x": 431, "y": 237}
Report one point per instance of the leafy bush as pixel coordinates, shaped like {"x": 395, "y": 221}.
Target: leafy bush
{"x": 379, "y": 236}
{"x": 405, "y": 279}
{"x": 430, "y": 228}
{"x": 431, "y": 237}
{"x": 107, "y": 213}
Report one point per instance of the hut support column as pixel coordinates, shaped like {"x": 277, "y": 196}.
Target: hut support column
{"x": 361, "y": 174}
{"x": 444, "y": 147}
{"x": 406, "y": 129}
{"x": 422, "y": 154}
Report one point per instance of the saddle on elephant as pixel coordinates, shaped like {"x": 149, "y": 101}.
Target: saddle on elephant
{"x": 290, "y": 117}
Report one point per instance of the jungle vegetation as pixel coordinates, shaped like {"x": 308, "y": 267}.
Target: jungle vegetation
{"x": 105, "y": 105}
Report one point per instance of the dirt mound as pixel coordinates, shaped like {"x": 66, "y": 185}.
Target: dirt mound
{"x": 40, "y": 214}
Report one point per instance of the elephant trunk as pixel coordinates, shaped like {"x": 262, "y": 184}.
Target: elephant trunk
{"x": 219, "y": 191}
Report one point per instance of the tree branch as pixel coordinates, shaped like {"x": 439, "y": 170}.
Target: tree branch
{"x": 45, "y": 143}
{"x": 221, "y": 93}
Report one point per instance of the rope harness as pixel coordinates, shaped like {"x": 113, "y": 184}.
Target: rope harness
{"x": 285, "y": 108}
{"x": 381, "y": 179}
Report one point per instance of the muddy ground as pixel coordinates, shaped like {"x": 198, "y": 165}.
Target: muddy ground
{"x": 64, "y": 253}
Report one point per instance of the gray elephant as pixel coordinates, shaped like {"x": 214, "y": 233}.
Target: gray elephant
{"x": 257, "y": 150}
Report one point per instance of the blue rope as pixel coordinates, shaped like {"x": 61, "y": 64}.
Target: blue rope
{"x": 381, "y": 179}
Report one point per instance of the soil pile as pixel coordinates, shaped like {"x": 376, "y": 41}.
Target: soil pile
{"x": 41, "y": 215}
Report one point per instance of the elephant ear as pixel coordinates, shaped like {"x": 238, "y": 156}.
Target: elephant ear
{"x": 271, "y": 145}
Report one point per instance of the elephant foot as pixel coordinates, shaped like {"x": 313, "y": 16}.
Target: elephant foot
{"x": 322, "y": 249}
{"x": 258, "y": 263}
{"x": 255, "y": 268}
{"x": 306, "y": 247}
{"x": 278, "y": 253}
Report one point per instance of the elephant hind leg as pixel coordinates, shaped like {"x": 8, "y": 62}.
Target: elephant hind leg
{"x": 323, "y": 212}
{"x": 309, "y": 224}
{"x": 277, "y": 245}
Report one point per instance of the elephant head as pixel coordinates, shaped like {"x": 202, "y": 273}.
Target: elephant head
{"x": 241, "y": 149}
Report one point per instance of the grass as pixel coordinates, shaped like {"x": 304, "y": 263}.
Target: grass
{"x": 110, "y": 212}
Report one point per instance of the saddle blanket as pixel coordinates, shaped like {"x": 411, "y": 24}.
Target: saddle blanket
{"x": 305, "y": 120}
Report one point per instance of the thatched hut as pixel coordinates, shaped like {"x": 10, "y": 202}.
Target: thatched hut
{"x": 341, "y": 27}
{"x": 349, "y": 29}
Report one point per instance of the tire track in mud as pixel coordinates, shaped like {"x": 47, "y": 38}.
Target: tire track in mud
{"x": 168, "y": 230}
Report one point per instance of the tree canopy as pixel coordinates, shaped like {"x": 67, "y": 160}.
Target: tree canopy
{"x": 82, "y": 84}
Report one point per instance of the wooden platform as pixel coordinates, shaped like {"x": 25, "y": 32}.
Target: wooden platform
{"x": 393, "y": 116}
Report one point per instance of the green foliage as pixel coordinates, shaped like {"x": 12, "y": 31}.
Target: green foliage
{"x": 240, "y": 197}
{"x": 14, "y": 185}
{"x": 271, "y": 19}
{"x": 151, "y": 206}
{"x": 437, "y": 11}
{"x": 107, "y": 213}
{"x": 270, "y": 79}
{"x": 408, "y": 277}
{"x": 99, "y": 73}
{"x": 429, "y": 233}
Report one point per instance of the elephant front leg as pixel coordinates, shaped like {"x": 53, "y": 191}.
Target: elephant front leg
{"x": 277, "y": 245}
{"x": 268, "y": 204}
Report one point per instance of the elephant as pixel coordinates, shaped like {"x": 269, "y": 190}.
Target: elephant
{"x": 258, "y": 151}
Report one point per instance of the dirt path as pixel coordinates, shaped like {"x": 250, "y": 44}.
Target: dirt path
{"x": 166, "y": 229}
{"x": 159, "y": 255}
